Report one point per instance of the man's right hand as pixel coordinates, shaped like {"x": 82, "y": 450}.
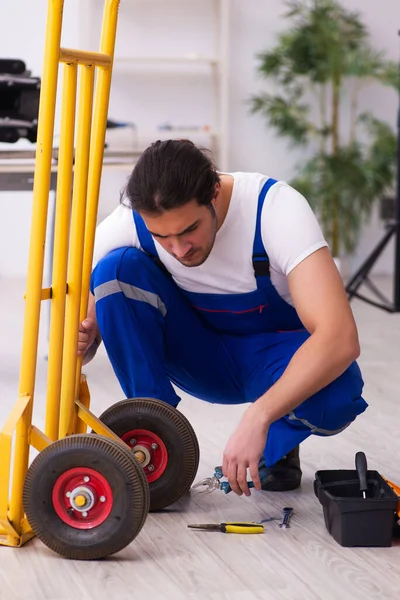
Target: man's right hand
{"x": 87, "y": 335}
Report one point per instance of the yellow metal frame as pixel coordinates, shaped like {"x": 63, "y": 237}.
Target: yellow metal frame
{"x": 68, "y": 398}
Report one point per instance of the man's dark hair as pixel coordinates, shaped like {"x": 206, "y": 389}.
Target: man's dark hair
{"x": 169, "y": 174}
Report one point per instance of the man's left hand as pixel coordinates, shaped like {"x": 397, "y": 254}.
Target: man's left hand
{"x": 244, "y": 449}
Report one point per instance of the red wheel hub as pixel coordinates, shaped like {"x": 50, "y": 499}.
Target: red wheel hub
{"x": 153, "y": 448}
{"x": 82, "y": 498}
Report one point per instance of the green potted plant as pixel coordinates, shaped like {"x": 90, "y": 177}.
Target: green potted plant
{"x": 320, "y": 66}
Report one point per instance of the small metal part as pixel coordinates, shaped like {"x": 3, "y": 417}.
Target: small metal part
{"x": 142, "y": 454}
{"x": 68, "y": 494}
{"x": 86, "y": 479}
{"x": 154, "y": 446}
{"x": 102, "y": 498}
{"x": 141, "y": 457}
{"x": 150, "y": 467}
{"x": 286, "y": 515}
{"x": 132, "y": 442}
{"x": 84, "y": 514}
{"x": 82, "y": 499}
{"x": 268, "y": 519}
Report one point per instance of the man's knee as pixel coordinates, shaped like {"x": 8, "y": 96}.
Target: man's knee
{"x": 335, "y": 406}
{"x": 350, "y": 382}
{"x": 119, "y": 261}
{"x": 343, "y": 400}
{"x": 130, "y": 274}
{"x": 130, "y": 267}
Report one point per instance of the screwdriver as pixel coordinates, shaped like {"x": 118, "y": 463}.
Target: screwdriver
{"x": 362, "y": 472}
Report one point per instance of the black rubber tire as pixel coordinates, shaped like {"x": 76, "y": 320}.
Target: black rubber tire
{"x": 177, "y": 434}
{"x": 131, "y": 497}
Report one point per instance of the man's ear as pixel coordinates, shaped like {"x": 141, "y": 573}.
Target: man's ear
{"x": 217, "y": 191}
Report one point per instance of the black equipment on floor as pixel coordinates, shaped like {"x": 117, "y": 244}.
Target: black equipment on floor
{"x": 19, "y": 102}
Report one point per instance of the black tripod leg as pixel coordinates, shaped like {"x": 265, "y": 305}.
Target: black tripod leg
{"x": 396, "y": 286}
{"x": 362, "y": 273}
{"x": 375, "y": 290}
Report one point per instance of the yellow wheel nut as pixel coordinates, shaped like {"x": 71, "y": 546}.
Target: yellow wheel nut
{"x": 80, "y": 501}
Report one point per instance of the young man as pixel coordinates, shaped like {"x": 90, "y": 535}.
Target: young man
{"x": 223, "y": 284}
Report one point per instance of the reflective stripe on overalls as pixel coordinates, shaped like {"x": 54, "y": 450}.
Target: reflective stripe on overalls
{"x": 224, "y": 348}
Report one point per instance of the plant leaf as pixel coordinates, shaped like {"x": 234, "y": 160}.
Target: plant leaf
{"x": 325, "y": 46}
{"x": 288, "y": 117}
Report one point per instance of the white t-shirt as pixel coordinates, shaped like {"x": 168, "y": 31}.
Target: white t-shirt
{"x": 290, "y": 232}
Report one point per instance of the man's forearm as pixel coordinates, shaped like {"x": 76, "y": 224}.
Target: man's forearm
{"x": 318, "y": 362}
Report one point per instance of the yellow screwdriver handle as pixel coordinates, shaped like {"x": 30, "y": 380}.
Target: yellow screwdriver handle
{"x": 243, "y": 528}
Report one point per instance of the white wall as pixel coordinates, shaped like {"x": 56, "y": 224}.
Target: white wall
{"x": 22, "y": 36}
{"x": 253, "y": 28}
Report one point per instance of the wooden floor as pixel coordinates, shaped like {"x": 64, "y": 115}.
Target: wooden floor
{"x": 167, "y": 560}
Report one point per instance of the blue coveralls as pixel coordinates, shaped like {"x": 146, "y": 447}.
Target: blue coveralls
{"x": 221, "y": 348}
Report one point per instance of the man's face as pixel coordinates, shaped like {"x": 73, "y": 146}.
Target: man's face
{"x": 187, "y": 233}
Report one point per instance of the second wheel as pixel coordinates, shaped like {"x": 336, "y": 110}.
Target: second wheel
{"x": 163, "y": 441}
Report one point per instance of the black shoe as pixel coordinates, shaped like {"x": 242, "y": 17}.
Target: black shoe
{"x": 284, "y": 475}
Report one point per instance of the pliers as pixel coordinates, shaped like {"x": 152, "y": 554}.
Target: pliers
{"x": 231, "y": 527}
{"x": 215, "y": 483}
{"x": 247, "y": 526}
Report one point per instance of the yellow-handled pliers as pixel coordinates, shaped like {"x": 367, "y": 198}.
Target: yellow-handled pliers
{"x": 232, "y": 527}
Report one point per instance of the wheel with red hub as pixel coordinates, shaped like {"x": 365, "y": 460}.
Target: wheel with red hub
{"x": 86, "y": 496}
{"x": 163, "y": 441}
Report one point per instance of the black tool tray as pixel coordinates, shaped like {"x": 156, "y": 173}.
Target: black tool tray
{"x": 351, "y": 519}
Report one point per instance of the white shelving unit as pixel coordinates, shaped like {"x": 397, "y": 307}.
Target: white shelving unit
{"x": 167, "y": 59}
{"x": 137, "y": 69}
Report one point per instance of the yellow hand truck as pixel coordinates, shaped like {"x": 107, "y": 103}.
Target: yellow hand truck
{"x": 85, "y": 495}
